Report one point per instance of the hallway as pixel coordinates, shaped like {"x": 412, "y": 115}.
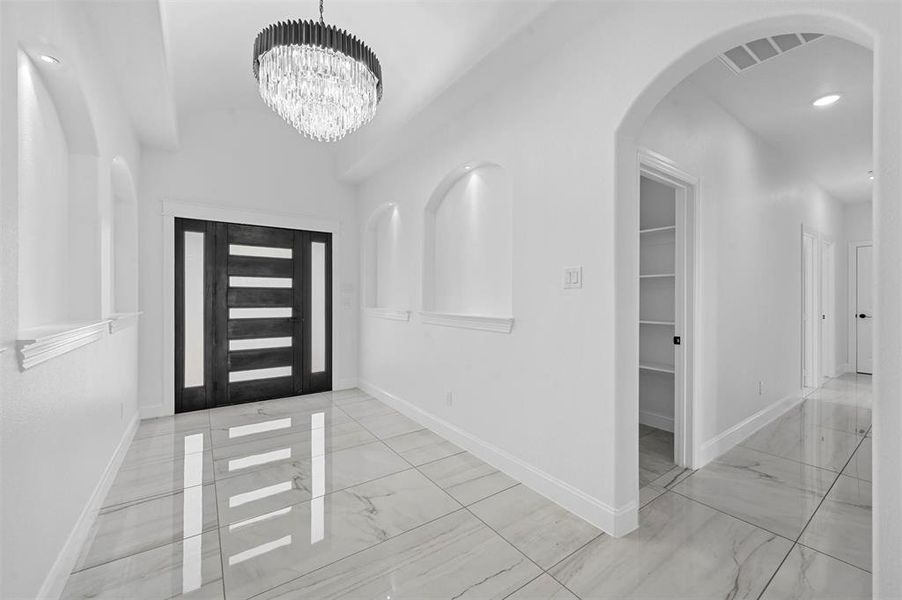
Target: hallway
{"x": 338, "y": 495}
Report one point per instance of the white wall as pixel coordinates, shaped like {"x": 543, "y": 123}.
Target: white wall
{"x": 61, "y": 421}
{"x": 242, "y": 160}
{"x": 752, "y": 205}
{"x": 385, "y": 282}
{"x": 545, "y": 401}
{"x": 857, "y": 226}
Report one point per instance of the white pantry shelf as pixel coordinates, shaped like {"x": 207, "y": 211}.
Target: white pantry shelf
{"x": 657, "y": 368}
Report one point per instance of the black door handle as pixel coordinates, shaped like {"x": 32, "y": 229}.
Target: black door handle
{"x": 862, "y": 316}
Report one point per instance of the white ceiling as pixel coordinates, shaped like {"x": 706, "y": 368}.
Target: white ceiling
{"x": 422, "y": 46}
{"x": 130, "y": 35}
{"x": 773, "y": 99}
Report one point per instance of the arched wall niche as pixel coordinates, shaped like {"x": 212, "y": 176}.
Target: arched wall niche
{"x": 468, "y": 254}
{"x": 123, "y": 264}
{"x": 60, "y": 245}
{"x": 385, "y": 281}
{"x": 626, "y": 225}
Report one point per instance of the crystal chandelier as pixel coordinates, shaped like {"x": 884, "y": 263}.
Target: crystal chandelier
{"x": 321, "y": 79}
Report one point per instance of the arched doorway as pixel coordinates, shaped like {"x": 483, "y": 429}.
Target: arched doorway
{"x": 627, "y": 242}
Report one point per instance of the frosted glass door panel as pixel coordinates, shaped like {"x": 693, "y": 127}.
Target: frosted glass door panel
{"x": 194, "y": 309}
{"x": 261, "y": 251}
{"x": 318, "y": 307}
{"x": 260, "y": 343}
{"x": 260, "y": 313}
{"x": 261, "y": 282}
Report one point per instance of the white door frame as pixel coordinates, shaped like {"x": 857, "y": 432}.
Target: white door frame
{"x": 815, "y": 238}
{"x": 664, "y": 170}
{"x": 852, "y": 304}
{"x": 211, "y": 212}
{"x": 828, "y": 307}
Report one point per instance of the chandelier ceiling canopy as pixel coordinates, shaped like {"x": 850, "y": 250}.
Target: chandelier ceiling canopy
{"x": 322, "y": 80}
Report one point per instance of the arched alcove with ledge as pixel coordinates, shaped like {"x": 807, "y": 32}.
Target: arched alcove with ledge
{"x": 123, "y": 241}
{"x": 60, "y": 242}
{"x": 468, "y": 255}
{"x": 385, "y": 282}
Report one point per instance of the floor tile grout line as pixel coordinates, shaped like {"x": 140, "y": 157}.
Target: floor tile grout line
{"x": 143, "y": 550}
{"x": 512, "y": 545}
{"x": 524, "y": 585}
{"x": 796, "y": 542}
{"x": 412, "y": 467}
{"x": 732, "y": 516}
{"x": 777, "y": 570}
{"x": 804, "y": 545}
{"x": 555, "y": 565}
{"x": 222, "y": 569}
{"x": 275, "y": 463}
{"x": 474, "y": 515}
{"x": 355, "y": 553}
{"x": 466, "y": 507}
{"x": 799, "y": 462}
{"x": 830, "y": 489}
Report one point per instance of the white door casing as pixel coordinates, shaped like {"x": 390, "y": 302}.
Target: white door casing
{"x": 864, "y": 309}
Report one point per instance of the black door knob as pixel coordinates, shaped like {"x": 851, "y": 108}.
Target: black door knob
{"x": 862, "y": 316}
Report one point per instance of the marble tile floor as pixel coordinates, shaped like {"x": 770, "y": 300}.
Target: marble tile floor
{"x": 336, "y": 495}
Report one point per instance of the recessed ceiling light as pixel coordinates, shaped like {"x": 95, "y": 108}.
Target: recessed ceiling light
{"x": 826, "y": 100}
{"x": 50, "y": 60}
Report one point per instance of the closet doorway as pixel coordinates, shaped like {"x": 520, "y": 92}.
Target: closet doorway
{"x": 666, "y": 226}
{"x": 253, "y": 318}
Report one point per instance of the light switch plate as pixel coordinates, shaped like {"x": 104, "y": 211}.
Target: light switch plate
{"x": 573, "y": 278}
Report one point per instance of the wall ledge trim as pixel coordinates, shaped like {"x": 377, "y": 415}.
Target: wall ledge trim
{"x": 729, "y": 438}
{"x": 40, "y": 344}
{"x": 65, "y": 561}
{"x": 481, "y": 322}
{"x": 614, "y": 521}
{"x": 120, "y": 321}
{"x": 392, "y": 314}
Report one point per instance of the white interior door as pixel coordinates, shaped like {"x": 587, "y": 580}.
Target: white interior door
{"x": 828, "y": 320}
{"x": 864, "y": 310}
{"x": 809, "y": 312}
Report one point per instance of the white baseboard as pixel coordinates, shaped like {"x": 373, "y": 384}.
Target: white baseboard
{"x": 655, "y": 420}
{"x": 348, "y": 383}
{"x": 56, "y": 579}
{"x": 726, "y": 440}
{"x": 616, "y": 522}
{"x": 152, "y": 412}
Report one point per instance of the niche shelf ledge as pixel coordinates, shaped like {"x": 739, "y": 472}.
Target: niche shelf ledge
{"x": 392, "y": 314}
{"x": 657, "y": 229}
{"x": 658, "y": 368}
{"x": 657, "y": 275}
{"x": 481, "y": 322}
{"x": 120, "y": 321}
{"x": 40, "y": 344}
{"x": 665, "y": 323}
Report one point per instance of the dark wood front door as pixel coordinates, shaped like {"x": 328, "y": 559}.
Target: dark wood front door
{"x": 253, "y": 313}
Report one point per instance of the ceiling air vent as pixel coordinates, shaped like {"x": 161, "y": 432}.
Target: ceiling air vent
{"x": 748, "y": 55}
